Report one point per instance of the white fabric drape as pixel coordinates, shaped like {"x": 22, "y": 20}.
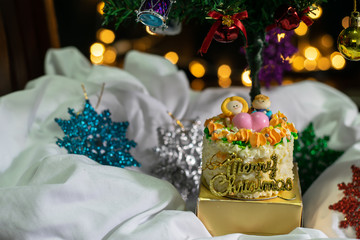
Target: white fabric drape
{"x": 46, "y": 193}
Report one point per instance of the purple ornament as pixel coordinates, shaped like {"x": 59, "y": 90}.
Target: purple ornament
{"x": 154, "y": 13}
{"x": 276, "y": 56}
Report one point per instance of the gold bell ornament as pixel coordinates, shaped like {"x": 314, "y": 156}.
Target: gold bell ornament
{"x": 349, "y": 39}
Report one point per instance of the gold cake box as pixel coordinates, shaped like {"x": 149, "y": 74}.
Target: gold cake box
{"x": 275, "y": 216}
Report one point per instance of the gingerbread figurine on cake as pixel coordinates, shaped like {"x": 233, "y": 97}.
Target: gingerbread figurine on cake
{"x": 261, "y": 103}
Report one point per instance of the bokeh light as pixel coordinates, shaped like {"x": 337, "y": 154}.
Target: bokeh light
{"x": 96, "y": 59}
{"x": 100, "y": 7}
{"x": 245, "y": 78}
{"x": 197, "y": 69}
{"x": 106, "y": 36}
{"x": 97, "y": 49}
{"x": 311, "y": 53}
{"x": 142, "y": 44}
{"x": 109, "y": 55}
{"x": 173, "y": 57}
{"x": 327, "y": 41}
{"x": 224, "y": 82}
{"x": 324, "y": 63}
{"x": 337, "y": 61}
{"x": 197, "y": 84}
{"x": 310, "y": 65}
{"x": 298, "y": 63}
{"x": 224, "y": 71}
{"x": 316, "y": 12}
{"x": 301, "y": 30}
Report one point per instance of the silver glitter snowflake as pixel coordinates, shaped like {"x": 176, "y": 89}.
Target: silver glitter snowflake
{"x": 179, "y": 152}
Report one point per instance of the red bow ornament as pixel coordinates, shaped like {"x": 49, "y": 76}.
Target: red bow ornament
{"x": 230, "y": 22}
{"x": 287, "y": 18}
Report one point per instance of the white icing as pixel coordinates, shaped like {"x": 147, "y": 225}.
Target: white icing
{"x": 284, "y": 151}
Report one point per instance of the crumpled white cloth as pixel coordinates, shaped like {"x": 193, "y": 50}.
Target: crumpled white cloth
{"x": 46, "y": 193}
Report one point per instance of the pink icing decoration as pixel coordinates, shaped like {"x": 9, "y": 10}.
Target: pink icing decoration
{"x": 256, "y": 121}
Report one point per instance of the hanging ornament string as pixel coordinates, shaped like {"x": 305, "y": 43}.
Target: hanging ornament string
{"x": 227, "y": 20}
{"x": 84, "y": 91}
{"x": 178, "y": 122}
{"x": 101, "y": 94}
{"x": 354, "y": 5}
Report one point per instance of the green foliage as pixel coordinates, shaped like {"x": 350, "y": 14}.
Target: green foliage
{"x": 207, "y": 133}
{"x": 117, "y": 11}
{"x": 260, "y": 12}
{"x": 312, "y": 156}
{"x": 242, "y": 144}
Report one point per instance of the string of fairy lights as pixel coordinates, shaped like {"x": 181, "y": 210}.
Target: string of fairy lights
{"x": 313, "y": 55}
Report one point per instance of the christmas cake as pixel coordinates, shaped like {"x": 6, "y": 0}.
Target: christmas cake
{"x": 248, "y": 153}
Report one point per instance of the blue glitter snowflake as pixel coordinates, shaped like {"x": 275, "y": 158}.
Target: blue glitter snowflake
{"x": 97, "y": 137}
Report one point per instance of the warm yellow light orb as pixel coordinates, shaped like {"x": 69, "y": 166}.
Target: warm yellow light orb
{"x": 197, "y": 84}
{"x": 109, "y": 55}
{"x": 100, "y": 7}
{"x": 106, "y": 36}
{"x": 224, "y": 82}
{"x": 173, "y": 57}
{"x": 324, "y": 63}
{"x": 301, "y": 30}
{"x": 316, "y": 12}
{"x": 96, "y": 59}
{"x": 327, "y": 41}
{"x": 97, "y": 49}
{"x": 245, "y": 78}
{"x": 224, "y": 71}
{"x": 310, "y": 65}
{"x": 197, "y": 69}
{"x": 337, "y": 61}
{"x": 311, "y": 53}
{"x": 298, "y": 63}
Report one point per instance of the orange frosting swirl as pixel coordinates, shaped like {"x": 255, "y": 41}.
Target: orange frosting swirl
{"x": 216, "y": 136}
{"x": 243, "y": 135}
{"x": 272, "y": 136}
{"x": 279, "y": 115}
{"x": 257, "y": 139}
{"x": 276, "y": 121}
{"x": 213, "y": 126}
{"x": 291, "y": 127}
{"x": 231, "y": 137}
